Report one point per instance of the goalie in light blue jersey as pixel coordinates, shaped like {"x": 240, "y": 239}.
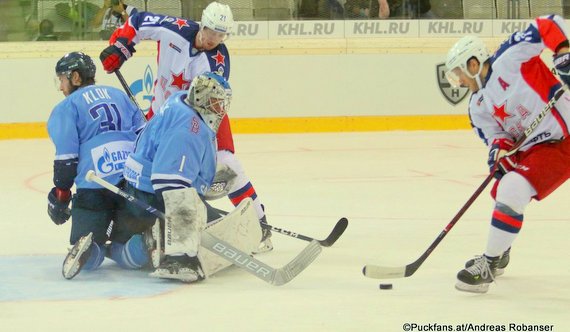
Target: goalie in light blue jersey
{"x": 172, "y": 168}
{"x": 93, "y": 128}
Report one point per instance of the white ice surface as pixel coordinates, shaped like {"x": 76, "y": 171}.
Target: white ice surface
{"x": 398, "y": 190}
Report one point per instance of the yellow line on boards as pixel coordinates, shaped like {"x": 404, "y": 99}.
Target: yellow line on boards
{"x": 349, "y": 124}
{"x": 23, "y": 130}
{"x": 293, "y": 125}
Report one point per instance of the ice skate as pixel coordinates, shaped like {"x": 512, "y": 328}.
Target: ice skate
{"x": 77, "y": 257}
{"x": 478, "y": 277}
{"x": 184, "y": 268}
{"x": 265, "y": 245}
{"x": 503, "y": 262}
{"x": 153, "y": 241}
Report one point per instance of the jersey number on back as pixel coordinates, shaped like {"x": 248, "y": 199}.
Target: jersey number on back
{"x": 110, "y": 116}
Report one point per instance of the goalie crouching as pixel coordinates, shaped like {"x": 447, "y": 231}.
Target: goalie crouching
{"x": 175, "y": 158}
{"x": 172, "y": 168}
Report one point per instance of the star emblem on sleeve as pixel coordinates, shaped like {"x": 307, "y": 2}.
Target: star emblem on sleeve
{"x": 181, "y": 23}
{"x": 500, "y": 113}
{"x": 219, "y": 58}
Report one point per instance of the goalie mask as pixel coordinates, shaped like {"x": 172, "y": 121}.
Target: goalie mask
{"x": 466, "y": 48}
{"x": 210, "y": 95}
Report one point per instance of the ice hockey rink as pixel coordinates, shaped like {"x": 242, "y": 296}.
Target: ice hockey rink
{"x": 398, "y": 191}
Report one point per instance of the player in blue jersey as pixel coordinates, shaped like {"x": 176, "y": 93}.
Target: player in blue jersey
{"x": 187, "y": 49}
{"x": 93, "y": 128}
{"x": 172, "y": 167}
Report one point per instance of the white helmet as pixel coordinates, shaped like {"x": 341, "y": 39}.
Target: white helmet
{"x": 466, "y": 48}
{"x": 210, "y": 95}
{"x": 218, "y": 17}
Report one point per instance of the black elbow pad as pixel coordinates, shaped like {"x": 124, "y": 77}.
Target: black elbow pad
{"x": 64, "y": 173}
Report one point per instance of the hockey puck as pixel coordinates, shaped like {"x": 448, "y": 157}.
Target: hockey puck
{"x": 385, "y": 286}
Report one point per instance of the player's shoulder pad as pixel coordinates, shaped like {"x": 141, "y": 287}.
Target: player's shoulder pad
{"x": 219, "y": 60}
{"x": 178, "y": 25}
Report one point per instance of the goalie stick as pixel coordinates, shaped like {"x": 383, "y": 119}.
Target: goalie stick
{"x": 274, "y": 276}
{"x": 337, "y": 231}
{"x": 386, "y": 272}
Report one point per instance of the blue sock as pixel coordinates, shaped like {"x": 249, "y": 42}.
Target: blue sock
{"x": 95, "y": 258}
{"x": 131, "y": 255}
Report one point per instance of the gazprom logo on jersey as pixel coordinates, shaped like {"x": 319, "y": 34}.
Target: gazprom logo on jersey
{"x": 142, "y": 89}
{"x": 110, "y": 158}
{"x": 133, "y": 171}
{"x": 451, "y": 94}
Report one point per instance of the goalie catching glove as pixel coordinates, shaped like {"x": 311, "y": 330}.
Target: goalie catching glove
{"x": 498, "y": 162}
{"x": 115, "y": 55}
{"x": 223, "y": 182}
{"x": 58, "y": 205}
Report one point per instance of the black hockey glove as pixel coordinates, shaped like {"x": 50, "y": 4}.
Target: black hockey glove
{"x": 562, "y": 65}
{"x": 58, "y": 205}
{"x": 115, "y": 55}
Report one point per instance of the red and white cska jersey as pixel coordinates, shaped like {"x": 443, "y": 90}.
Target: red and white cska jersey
{"x": 518, "y": 86}
{"x": 178, "y": 61}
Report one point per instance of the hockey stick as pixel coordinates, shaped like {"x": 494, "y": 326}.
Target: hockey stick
{"x": 128, "y": 91}
{"x": 337, "y": 231}
{"x": 384, "y": 272}
{"x": 276, "y": 277}
{"x": 329, "y": 241}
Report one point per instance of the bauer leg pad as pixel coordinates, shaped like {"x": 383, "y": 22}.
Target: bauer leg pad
{"x": 185, "y": 221}
{"x": 240, "y": 228}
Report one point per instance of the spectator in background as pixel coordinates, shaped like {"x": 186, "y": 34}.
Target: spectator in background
{"x": 309, "y": 9}
{"x": 46, "y": 31}
{"x": 424, "y": 10}
{"x": 112, "y": 15}
{"x": 364, "y": 9}
{"x": 411, "y": 9}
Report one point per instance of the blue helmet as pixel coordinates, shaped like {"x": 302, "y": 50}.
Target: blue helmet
{"x": 76, "y": 61}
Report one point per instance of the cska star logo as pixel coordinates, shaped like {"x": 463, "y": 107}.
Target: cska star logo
{"x": 499, "y": 113}
{"x": 179, "y": 82}
{"x": 451, "y": 94}
{"x": 219, "y": 58}
{"x": 181, "y": 23}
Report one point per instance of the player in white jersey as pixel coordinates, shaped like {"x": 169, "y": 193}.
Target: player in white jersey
{"x": 185, "y": 50}
{"x": 510, "y": 88}
{"x": 93, "y": 128}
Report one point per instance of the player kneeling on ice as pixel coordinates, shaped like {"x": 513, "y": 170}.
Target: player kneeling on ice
{"x": 93, "y": 128}
{"x": 516, "y": 106}
{"x": 172, "y": 167}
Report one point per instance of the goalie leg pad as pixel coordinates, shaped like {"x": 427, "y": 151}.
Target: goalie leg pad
{"x": 240, "y": 228}
{"x": 185, "y": 221}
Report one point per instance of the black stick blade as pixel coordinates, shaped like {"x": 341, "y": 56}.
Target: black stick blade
{"x": 337, "y": 231}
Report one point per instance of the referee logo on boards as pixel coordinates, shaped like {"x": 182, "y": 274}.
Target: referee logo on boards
{"x": 453, "y": 95}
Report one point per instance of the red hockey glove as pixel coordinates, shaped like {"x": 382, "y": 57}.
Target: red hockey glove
{"x": 497, "y": 161}
{"x": 115, "y": 55}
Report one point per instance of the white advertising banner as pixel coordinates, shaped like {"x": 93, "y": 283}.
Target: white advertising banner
{"x": 375, "y": 29}
{"x": 284, "y": 69}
